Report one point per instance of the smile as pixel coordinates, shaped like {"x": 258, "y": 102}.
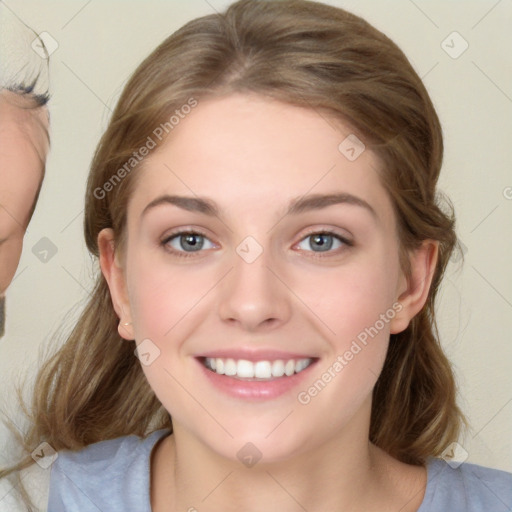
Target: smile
{"x": 244, "y": 369}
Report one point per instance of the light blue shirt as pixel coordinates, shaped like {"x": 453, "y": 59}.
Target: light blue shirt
{"x": 114, "y": 476}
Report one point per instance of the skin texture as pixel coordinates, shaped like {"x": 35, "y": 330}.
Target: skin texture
{"x": 252, "y": 156}
{"x": 24, "y": 145}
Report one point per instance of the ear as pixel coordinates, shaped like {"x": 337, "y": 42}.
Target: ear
{"x": 413, "y": 293}
{"x": 114, "y": 275}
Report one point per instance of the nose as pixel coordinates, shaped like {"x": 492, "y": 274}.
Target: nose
{"x": 253, "y": 297}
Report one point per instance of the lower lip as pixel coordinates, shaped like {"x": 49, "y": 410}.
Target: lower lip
{"x": 255, "y": 389}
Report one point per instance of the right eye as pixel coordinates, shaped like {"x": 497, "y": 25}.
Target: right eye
{"x": 183, "y": 242}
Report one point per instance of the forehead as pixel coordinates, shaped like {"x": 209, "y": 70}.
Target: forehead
{"x": 23, "y": 129}
{"x": 244, "y": 150}
{"x": 23, "y": 148}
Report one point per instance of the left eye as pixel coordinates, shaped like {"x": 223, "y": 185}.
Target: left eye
{"x": 324, "y": 241}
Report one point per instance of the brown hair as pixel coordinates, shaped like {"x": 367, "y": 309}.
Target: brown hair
{"x": 306, "y": 54}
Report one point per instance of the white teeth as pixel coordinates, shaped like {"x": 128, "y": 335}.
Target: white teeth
{"x": 245, "y": 369}
{"x": 229, "y": 367}
{"x": 289, "y": 367}
{"x": 261, "y": 369}
{"x": 300, "y": 365}
{"x": 278, "y": 368}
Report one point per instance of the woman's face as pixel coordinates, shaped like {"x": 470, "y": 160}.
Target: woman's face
{"x": 23, "y": 149}
{"x": 259, "y": 281}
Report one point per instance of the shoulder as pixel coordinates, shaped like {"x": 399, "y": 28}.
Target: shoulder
{"x": 109, "y": 475}
{"x": 466, "y": 487}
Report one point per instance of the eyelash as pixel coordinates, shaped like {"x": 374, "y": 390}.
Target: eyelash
{"x": 318, "y": 254}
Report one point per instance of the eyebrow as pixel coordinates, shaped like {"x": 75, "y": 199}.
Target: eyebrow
{"x": 296, "y": 206}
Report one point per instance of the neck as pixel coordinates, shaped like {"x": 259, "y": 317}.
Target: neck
{"x": 306, "y": 482}
{"x": 345, "y": 473}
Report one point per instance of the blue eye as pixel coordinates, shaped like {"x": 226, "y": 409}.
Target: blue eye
{"x": 324, "y": 241}
{"x": 187, "y": 242}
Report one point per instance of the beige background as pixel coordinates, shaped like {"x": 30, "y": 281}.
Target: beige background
{"x": 100, "y": 44}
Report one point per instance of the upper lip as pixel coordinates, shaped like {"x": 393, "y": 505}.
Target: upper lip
{"x": 254, "y": 354}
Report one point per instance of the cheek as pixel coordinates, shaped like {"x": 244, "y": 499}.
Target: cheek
{"x": 355, "y": 305}
{"x": 162, "y": 300}
{"x": 163, "y": 295}
{"x": 350, "y": 298}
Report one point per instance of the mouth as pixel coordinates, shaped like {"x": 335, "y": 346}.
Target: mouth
{"x": 259, "y": 370}
{"x": 251, "y": 374}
